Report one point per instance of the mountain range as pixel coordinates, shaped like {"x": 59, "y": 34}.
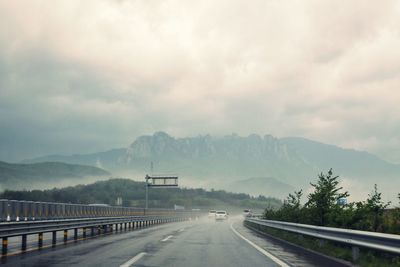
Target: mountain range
{"x": 221, "y": 161}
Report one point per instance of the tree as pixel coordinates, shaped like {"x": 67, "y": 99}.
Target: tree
{"x": 325, "y": 198}
{"x": 269, "y": 213}
{"x": 293, "y": 200}
{"x": 291, "y": 209}
{"x": 375, "y": 208}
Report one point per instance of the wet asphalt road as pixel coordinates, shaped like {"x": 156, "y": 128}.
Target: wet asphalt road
{"x": 203, "y": 242}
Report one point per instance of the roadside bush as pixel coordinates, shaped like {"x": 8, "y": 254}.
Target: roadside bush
{"x": 325, "y": 208}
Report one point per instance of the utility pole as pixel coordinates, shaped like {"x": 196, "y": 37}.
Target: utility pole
{"x": 147, "y": 184}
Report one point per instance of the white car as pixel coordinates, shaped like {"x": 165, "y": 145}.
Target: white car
{"x": 246, "y": 213}
{"x": 221, "y": 215}
{"x": 211, "y": 213}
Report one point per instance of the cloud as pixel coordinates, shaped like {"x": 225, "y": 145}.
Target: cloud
{"x": 85, "y": 76}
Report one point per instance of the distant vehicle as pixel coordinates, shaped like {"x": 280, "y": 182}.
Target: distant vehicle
{"x": 247, "y": 213}
{"x": 221, "y": 215}
{"x": 211, "y": 213}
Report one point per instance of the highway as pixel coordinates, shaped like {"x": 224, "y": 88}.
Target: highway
{"x": 202, "y": 242}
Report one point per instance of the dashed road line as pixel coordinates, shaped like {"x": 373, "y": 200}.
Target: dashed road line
{"x": 166, "y": 239}
{"x": 263, "y": 251}
{"x": 133, "y": 260}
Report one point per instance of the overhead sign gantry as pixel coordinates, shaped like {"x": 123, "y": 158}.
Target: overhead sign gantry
{"x": 160, "y": 181}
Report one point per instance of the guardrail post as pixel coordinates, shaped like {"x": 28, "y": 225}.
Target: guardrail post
{"x": 65, "y": 236}
{"x": 355, "y": 253}
{"x": 75, "y": 234}
{"x": 4, "y": 246}
{"x": 23, "y": 243}
{"x": 54, "y": 238}
{"x": 84, "y": 232}
{"x": 92, "y": 231}
{"x": 40, "y": 240}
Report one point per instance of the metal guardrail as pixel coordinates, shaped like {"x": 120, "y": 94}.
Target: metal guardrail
{"x": 17, "y": 210}
{"x": 23, "y": 218}
{"x": 27, "y": 228}
{"x": 355, "y": 238}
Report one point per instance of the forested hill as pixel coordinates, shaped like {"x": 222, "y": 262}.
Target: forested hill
{"x": 133, "y": 194}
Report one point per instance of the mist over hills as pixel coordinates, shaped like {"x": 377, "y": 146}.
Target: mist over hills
{"x": 104, "y": 160}
{"x": 27, "y": 175}
{"x": 259, "y": 185}
{"x": 220, "y": 161}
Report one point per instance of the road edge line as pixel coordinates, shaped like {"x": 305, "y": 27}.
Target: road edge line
{"x": 263, "y": 251}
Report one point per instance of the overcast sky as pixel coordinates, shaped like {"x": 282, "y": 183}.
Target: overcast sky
{"x": 86, "y": 76}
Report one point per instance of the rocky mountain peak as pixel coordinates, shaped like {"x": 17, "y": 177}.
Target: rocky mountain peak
{"x": 162, "y": 145}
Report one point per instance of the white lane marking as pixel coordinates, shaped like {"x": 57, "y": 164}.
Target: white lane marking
{"x": 133, "y": 260}
{"x": 181, "y": 230}
{"x": 165, "y": 239}
{"x": 263, "y": 251}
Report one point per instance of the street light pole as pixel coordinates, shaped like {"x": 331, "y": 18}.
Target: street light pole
{"x": 147, "y": 192}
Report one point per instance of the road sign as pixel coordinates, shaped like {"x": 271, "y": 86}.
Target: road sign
{"x": 162, "y": 181}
